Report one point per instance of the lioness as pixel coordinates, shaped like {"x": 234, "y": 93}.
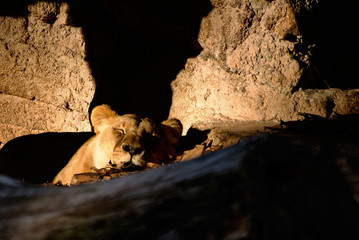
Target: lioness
{"x": 124, "y": 142}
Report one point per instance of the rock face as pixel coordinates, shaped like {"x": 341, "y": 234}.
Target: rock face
{"x": 253, "y": 66}
{"x": 45, "y": 82}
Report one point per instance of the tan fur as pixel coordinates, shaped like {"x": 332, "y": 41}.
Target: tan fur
{"x": 123, "y": 141}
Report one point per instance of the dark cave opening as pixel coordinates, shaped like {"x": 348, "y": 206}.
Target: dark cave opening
{"x": 136, "y": 49}
{"x": 331, "y": 30}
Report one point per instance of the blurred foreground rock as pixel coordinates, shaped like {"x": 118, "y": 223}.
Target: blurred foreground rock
{"x": 266, "y": 187}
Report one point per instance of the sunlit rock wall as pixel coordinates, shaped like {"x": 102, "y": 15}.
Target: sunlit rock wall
{"x": 45, "y": 82}
{"x": 253, "y": 63}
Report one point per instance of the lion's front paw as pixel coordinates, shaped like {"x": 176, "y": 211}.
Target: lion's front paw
{"x": 152, "y": 165}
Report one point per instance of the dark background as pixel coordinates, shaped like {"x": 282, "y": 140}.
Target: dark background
{"x": 136, "y": 48}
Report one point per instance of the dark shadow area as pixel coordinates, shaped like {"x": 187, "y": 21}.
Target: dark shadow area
{"x": 295, "y": 194}
{"x": 192, "y": 138}
{"x": 333, "y": 29}
{"x": 136, "y": 48}
{"x": 346, "y": 125}
{"x": 327, "y": 138}
{"x": 38, "y": 158}
{"x": 15, "y": 8}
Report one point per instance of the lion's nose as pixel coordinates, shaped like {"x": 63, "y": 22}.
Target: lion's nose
{"x": 132, "y": 150}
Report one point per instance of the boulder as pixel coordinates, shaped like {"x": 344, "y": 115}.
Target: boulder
{"x": 257, "y": 65}
{"x": 45, "y": 82}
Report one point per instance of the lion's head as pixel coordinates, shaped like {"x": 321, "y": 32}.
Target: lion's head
{"x": 129, "y": 142}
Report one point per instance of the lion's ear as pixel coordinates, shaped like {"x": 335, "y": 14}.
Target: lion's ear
{"x": 101, "y": 117}
{"x": 172, "y": 129}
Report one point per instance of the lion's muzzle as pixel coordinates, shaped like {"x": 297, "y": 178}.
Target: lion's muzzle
{"x": 128, "y": 153}
{"x": 132, "y": 150}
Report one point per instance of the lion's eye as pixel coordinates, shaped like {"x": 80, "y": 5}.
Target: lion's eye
{"x": 119, "y": 131}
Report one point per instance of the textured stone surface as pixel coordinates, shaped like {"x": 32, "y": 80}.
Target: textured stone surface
{"x": 45, "y": 82}
{"x": 252, "y": 67}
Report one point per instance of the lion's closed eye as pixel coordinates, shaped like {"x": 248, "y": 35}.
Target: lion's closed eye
{"x": 119, "y": 131}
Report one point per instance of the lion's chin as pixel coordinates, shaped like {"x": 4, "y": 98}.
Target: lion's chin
{"x": 130, "y": 167}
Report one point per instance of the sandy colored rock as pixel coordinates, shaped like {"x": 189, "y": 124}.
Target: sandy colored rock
{"x": 45, "y": 82}
{"x": 251, "y": 66}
